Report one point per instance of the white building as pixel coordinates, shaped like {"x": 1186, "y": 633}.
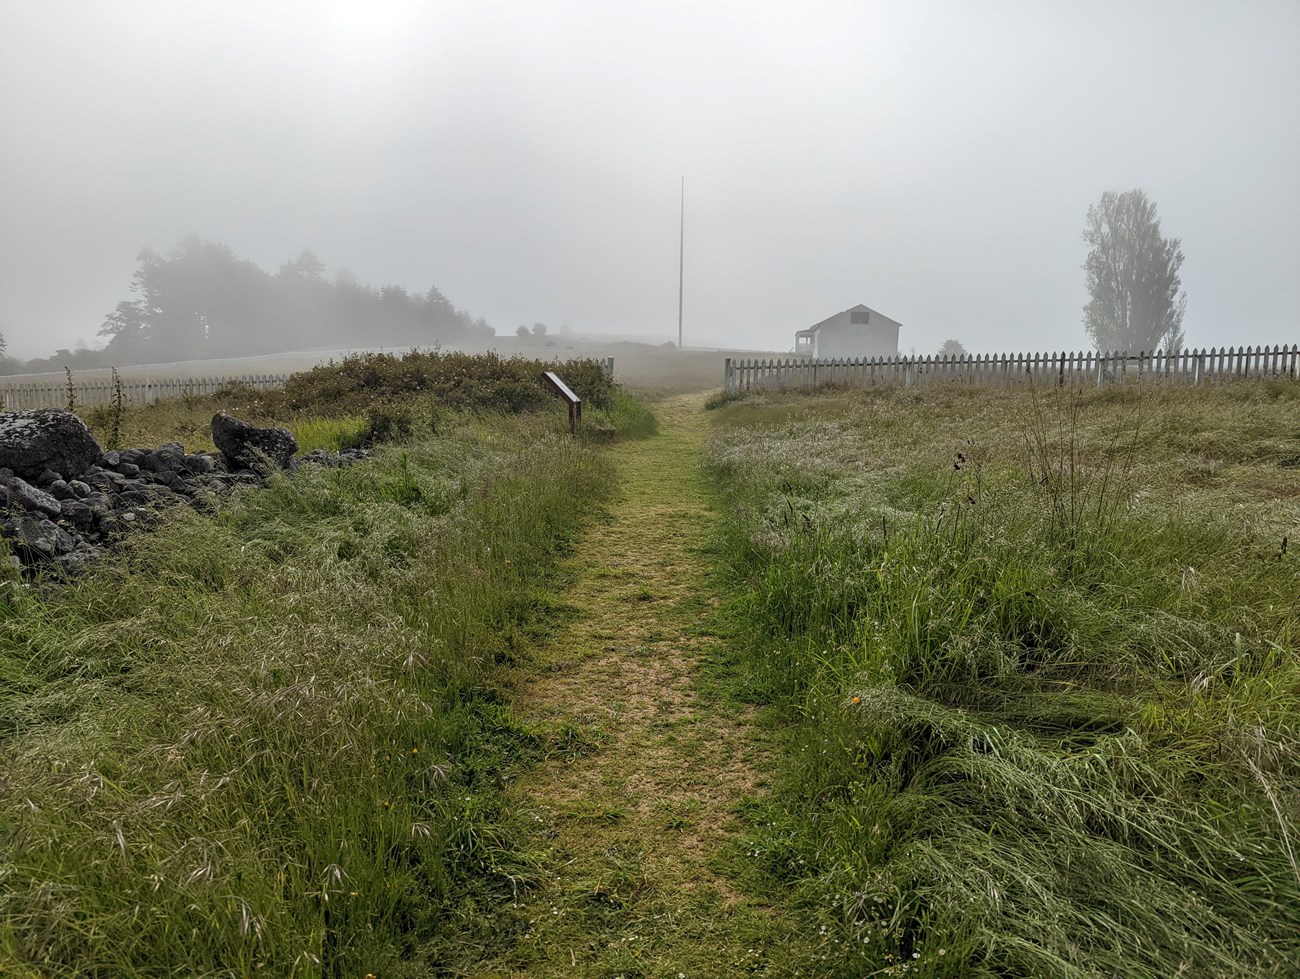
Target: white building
{"x": 855, "y": 332}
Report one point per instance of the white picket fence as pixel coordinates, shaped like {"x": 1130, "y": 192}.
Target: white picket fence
{"x": 1011, "y": 370}
{"x": 19, "y": 395}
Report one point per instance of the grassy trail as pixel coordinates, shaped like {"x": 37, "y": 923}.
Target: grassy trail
{"x": 642, "y": 825}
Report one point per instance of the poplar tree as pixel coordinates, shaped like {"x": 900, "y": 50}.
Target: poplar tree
{"x": 1132, "y": 275}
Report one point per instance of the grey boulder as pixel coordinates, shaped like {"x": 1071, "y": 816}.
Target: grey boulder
{"x": 17, "y": 492}
{"x": 46, "y": 440}
{"x": 37, "y": 539}
{"x": 246, "y": 446}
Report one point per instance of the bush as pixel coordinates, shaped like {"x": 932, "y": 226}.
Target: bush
{"x": 480, "y": 382}
{"x": 369, "y": 387}
{"x": 387, "y": 421}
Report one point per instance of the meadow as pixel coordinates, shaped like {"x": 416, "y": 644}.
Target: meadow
{"x": 272, "y": 740}
{"x": 1032, "y": 658}
{"x": 935, "y": 683}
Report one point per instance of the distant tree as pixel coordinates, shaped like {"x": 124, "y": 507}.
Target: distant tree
{"x": 2, "y": 344}
{"x": 439, "y": 305}
{"x": 201, "y": 300}
{"x": 306, "y": 267}
{"x": 125, "y": 326}
{"x": 1132, "y": 276}
{"x": 952, "y": 348}
{"x": 395, "y": 296}
{"x": 539, "y": 329}
{"x": 443, "y": 319}
{"x": 521, "y": 330}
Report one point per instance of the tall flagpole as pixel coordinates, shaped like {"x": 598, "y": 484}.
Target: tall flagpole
{"x": 681, "y": 265}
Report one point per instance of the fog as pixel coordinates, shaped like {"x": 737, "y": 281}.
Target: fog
{"x": 934, "y": 161}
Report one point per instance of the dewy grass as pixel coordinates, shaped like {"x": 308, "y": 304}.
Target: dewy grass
{"x": 1039, "y": 656}
{"x": 271, "y": 742}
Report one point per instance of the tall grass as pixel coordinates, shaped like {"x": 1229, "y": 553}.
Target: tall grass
{"x": 1038, "y": 658}
{"x": 271, "y": 742}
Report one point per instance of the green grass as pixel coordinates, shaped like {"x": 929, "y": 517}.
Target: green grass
{"x": 273, "y": 741}
{"x": 1035, "y": 656}
{"x": 638, "y": 827}
{"x": 334, "y": 434}
{"x": 625, "y": 415}
{"x": 1028, "y": 662}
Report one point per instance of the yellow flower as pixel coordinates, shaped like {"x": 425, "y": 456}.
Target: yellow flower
{"x": 857, "y": 700}
{"x": 415, "y": 751}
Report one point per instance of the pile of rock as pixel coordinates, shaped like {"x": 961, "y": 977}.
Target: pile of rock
{"x": 63, "y": 499}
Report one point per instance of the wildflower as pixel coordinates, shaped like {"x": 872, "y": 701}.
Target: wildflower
{"x": 857, "y": 700}
{"x": 415, "y": 751}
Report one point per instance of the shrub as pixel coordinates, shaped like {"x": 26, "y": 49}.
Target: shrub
{"x": 388, "y": 421}
{"x": 481, "y": 382}
{"x": 364, "y": 386}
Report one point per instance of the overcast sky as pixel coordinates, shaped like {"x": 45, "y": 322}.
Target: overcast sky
{"x": 934, "y": 160}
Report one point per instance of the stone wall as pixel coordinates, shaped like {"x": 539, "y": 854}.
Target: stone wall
{"x": 63, "y": 500}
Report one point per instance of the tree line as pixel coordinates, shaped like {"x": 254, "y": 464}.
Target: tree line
{"x": 200, "y": 300}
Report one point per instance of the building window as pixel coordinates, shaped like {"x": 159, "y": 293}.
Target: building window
{"x": 859, "y": 316}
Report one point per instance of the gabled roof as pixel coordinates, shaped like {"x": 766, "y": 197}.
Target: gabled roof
{"x": 812, "y": 330}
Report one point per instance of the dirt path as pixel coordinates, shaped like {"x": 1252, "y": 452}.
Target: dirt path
{"x": 644, "y": 826}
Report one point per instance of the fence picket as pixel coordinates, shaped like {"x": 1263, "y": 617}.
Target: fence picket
{"x": 92, "y": 392}
{"x": 1056, "y": 368}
